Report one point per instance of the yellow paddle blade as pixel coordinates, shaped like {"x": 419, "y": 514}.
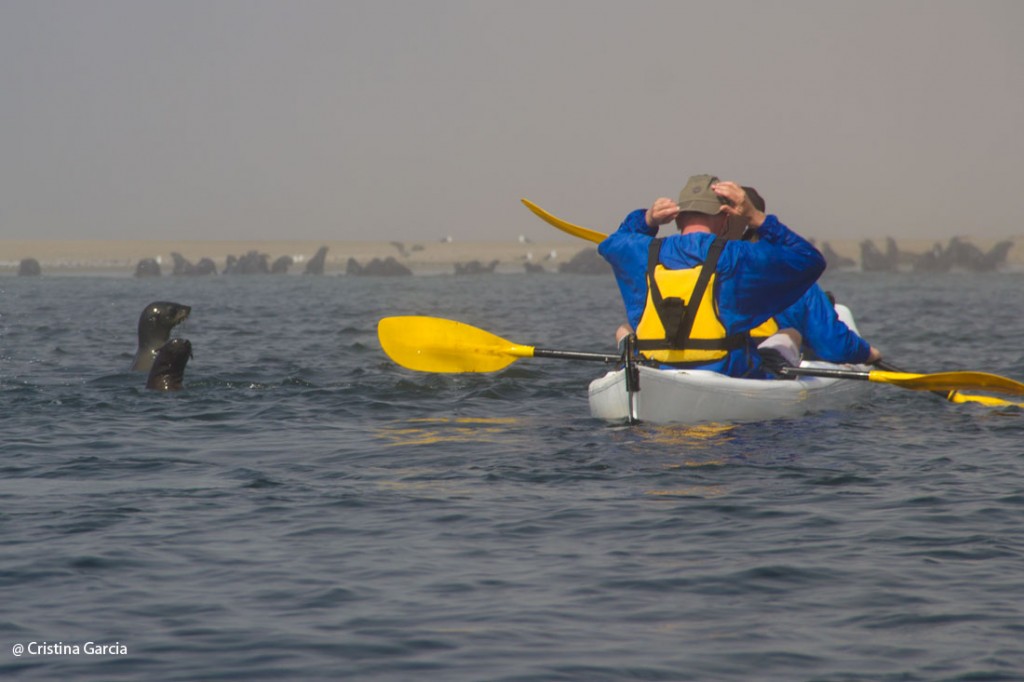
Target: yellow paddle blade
{"x": 433, "y": 344}
{"x": 569, "y": 228}
{"x": 988, "y": 401}
{"x": 949, "y": 381}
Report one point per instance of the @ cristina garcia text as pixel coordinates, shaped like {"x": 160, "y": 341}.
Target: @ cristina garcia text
{"x": 69, "y": 649}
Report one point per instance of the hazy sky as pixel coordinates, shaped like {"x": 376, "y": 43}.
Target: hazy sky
{"x": 415, "y": 119}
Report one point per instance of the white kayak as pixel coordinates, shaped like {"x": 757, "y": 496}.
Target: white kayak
{"x": 693, "y": 396}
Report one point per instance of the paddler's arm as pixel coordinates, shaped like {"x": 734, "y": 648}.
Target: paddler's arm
{"x": 768, "y": 276}
{"x": 822, "y": 330}
{"x": 626, "y": 251}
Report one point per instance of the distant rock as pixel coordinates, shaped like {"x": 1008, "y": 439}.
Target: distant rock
{"x": 252, "y": 263}
{"x": 873, "y": 260}
{"x": 147, "y": 267}
{"x": 475, "y": 267}
{"x": 586, "y": 262}
{"x": 206, "y": 266}
{"x": 834, "y": 260}
{"x": 29, "y": 267}
{"x": 996, "y": 256}
{"x": 533, "y": 267}
{"x": 388, "y": 267}
{"x": 182, "y": 266}
{"x": 962, "y": 255}
{"x": 281, "y": 265}
{"x": 935, "y": 260}
{"x": 315, "y": 265}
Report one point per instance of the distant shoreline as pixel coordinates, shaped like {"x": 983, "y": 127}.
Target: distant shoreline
{"x": 122, "y": 256}
{"x": 108, "y": 256}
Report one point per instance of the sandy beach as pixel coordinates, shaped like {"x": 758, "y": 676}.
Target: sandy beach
{"x": 122, "y": 257}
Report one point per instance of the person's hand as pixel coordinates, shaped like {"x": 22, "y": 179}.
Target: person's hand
{"x": 738, "y": 203}
{"x": 874, "y": 356}
{"x": 664, "y": 210}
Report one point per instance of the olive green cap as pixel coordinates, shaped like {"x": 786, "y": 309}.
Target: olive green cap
{"x": 698, "y": 197}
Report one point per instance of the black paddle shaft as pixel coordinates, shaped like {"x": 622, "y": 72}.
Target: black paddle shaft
{"x": 825, "y": 372}
{"x": 574, "y": 355}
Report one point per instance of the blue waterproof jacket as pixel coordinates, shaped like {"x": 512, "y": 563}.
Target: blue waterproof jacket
{"x": 824, "y": 333}
{"x": 754, "y": 280}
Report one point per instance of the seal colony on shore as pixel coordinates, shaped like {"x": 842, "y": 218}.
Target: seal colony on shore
{"x": 430, "y": 258}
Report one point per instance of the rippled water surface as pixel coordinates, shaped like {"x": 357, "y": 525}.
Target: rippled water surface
{"x": 305, "y": 509}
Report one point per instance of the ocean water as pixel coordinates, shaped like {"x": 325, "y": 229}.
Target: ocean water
{"x": 307, "y": 510}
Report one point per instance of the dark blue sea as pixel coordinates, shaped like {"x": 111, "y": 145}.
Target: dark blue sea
{"x": 306, "y": 510}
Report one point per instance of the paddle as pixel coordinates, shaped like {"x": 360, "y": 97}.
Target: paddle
{"x": 940, "y": 381}
{"x": 989, "y": 401}
{"x": 433, "y": 344}
{"x": 956, "y": 396}
{"x": 569, "y": 228}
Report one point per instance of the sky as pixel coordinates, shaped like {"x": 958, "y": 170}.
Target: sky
{"x": 414, "y": 120}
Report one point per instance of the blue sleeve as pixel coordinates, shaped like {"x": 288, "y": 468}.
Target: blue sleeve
{"x": 626, "y": 251}
{"x": 763, "y": 278}
{"x": 815, "y": 317}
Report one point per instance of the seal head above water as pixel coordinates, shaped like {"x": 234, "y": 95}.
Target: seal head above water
{"x": 155, "y": 325}
{"x": 168, "y": 369}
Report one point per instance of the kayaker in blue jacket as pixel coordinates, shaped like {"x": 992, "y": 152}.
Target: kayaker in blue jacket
{"x": 812, "y": 323}
{"x": 751, "y": 282}
{"x": 823, "y": 333}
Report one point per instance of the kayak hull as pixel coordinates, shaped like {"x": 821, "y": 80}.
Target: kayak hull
{"x": 690, "y": 396}
{"x": 696, "y": 396}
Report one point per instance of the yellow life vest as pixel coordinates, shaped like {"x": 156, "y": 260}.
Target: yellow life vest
{"x": 672, "y": 330}
{"x": 766, "y": 329}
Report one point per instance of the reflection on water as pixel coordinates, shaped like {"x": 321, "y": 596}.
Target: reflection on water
{"x": 705, "y": 491}
{"x": 697, "y": 437}
{"x": 433, "y": 430}
{"x": 422, "y": 482}
{"x": 688, "y": 447}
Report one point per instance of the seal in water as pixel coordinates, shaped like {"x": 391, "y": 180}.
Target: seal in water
{"x": 169, "y": 365}
{"x": 155, "y": 324}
